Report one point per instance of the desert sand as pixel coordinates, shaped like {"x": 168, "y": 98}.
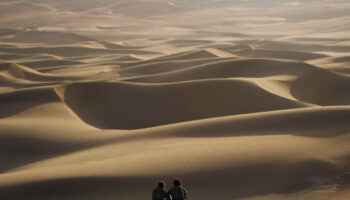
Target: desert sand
{"x": 249, "y": 100}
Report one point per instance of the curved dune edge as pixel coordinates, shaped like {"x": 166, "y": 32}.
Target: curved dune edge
{"x": 296, "y": 123}
{"x": 266, "y": 154}
{"x": 122, "y": 105}
{"x": 25, "y": 73}
{"x": 233, "y": 68}
{"x": 154, "y": 66}
{"x": 292, "y": 121}
{"x": 322, "y": 88}
{"x": 312, "y": 84}
{"x": 241, "y": 99}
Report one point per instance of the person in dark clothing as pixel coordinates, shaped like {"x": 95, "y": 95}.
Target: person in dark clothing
{"x": 159, "y": 193}
{"x": 177, "y": 192}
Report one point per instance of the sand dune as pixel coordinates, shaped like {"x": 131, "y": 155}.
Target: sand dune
{"x": 303, "y": 47}
{"x": 113, "y": 105}
{"x": 332, "y": 93}
{"x": 22, "y": 72}
{"x": 245, "y": 100}
{"x": 266, "y": 53}
{"x": 155, "y": 66}
{"x": 39, "y": 36}
{"x": 71, "y": 51}
{"x": 277, "y": 161}
{"x": 234, "y": 68}
{"x": 195, "y": 54}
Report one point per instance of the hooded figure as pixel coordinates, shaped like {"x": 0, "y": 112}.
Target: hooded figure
{"x": 177, "y": 192}
{"x": 159, "y": 193}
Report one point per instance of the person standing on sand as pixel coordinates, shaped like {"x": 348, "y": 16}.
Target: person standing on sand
{"x": 159, "y": 193}
{"x": 177, "y": 192}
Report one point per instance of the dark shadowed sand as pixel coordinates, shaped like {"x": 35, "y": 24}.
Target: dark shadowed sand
{"x": 100, "y": 100}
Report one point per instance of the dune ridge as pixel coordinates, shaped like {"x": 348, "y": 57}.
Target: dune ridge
{"x": 243, "y": 100}
{"x": 187, "y": 101}
{"x": 215, "y": 103}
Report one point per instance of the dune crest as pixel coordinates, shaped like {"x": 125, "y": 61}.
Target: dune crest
{"x": 241, "y": 99}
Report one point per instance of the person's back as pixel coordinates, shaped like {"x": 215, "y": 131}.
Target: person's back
{"x": 177, "y": 192}
{"x": 159, "y": 193}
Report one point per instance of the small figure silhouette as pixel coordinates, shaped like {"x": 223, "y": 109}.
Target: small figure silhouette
{"x": 159, "y": 193}
{"x": 177, "y": 192}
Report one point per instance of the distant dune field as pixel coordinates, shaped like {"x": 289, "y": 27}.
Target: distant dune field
{"x": 241, "y": 99}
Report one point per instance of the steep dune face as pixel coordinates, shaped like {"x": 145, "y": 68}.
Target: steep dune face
{"x": 133, "y": 106}
{"x": 17, "y": 101}
{"x": 27, "y": 135}
{"x": 71, "y": 51}
{"x": 253, "y": 159}
{"x": 39, "y": 36}
{"x": 26, "y": 121}
{"x": 196, "y": 54}
{"x": 233, "y": 68}
{"x": 268, "y": 53}
{"x": 156, "y": 67}
{"x": 25, "y": 73}
{"x": 243, "y": 100}
{"x": 323, "y": 88}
